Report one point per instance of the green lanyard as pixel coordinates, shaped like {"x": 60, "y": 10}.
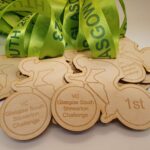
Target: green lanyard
{"x": 45, "y": 28}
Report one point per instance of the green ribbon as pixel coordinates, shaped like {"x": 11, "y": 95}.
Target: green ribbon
{"x": 45, "y": 28}
{"x": 19, "y": 37}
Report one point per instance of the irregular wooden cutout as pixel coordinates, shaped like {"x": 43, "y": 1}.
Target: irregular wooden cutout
{"x": 130, "y": 60}
{"x": 46, "y": 76}
{"x": 132, "y": 69}
{"x": 79, "y": 114}
{"x": 25, "y": 116}
{"x": 129, "y": 103}
{"x": 75, "y": 108}
{"x": 8, "y": 73}
{"x": 133, "y": 52}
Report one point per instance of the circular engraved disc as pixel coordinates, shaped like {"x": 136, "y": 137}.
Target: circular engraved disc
{"x": 25, "y": 116}
{"x": 75, "y": 108}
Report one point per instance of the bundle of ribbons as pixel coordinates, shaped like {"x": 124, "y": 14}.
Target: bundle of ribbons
{"x": 45, "y": 28}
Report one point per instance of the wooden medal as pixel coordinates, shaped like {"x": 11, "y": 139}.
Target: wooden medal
{"x": 129, "y": 103}
{"x": 25, "y": 116}
{"x": 75, "y": 108}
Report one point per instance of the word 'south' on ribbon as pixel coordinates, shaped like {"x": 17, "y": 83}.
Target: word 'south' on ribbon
{"x": 45, "y": 28}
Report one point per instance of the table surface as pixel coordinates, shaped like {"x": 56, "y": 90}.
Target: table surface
{"x": 113, "y": 136}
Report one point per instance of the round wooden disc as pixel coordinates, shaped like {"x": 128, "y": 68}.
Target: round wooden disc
{"x": 25, "y": 116}
{"x": 75, "y": 108}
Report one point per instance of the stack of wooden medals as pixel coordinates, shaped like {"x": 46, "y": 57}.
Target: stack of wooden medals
{"x": 75, "y": 91}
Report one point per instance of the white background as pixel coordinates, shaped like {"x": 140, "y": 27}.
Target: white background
{"x": 109, "y": 137}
